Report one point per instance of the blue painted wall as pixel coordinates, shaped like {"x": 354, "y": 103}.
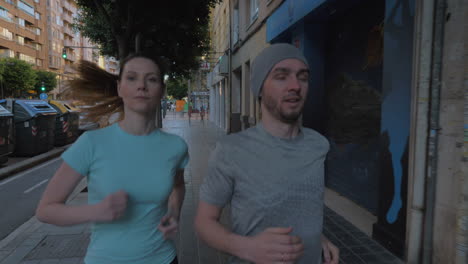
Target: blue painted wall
{"x": 398, "y": 53}
{"x": 311, "y": 37}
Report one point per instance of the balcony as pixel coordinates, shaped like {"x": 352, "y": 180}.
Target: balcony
{"x": 54, "y": 66}
{"x": 30, "y": 46}
{"x": 68, "y": 43}
{"x": 67, "y": 17}
{"x": 68, "y": 6}
{"x": 68, "y": 31}
{"x": 70, "y": 57}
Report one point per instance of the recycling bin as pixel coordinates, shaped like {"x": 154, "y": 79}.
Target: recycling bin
{"x": 34, "y": 126}
{"x": 66, "y": 123}
{"x": 6, "y": 134}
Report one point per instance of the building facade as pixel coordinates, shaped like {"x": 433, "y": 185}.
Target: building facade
{"x": 388, "y": 90}
{"x": 22, "y": 31}
{"x": 217, "y": 79}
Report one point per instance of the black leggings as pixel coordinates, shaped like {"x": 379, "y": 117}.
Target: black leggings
{"x": 175, "y": 261}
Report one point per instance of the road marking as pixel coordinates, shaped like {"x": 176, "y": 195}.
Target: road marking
{"x": 27, "y": 171}
{"x": 35, "y": 186}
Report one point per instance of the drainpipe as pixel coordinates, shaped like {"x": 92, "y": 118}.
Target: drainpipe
{"x": 230, "y": 69}
{"x": 432, "y": 150}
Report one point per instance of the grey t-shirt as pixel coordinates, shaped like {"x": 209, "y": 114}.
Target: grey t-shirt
{"x": 270, "y": 182}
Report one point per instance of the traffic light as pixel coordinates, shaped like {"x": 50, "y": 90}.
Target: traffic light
{"x": 43, "y": 87}
{"x": 64, "y": 53}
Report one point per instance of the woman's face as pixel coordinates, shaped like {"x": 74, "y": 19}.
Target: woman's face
{"x": 140, "y": 86}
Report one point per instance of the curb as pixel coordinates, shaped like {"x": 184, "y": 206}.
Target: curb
{"x": 31, "y": 162}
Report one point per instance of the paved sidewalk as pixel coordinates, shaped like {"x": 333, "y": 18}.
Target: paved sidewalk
{"x": 37, "y": 243}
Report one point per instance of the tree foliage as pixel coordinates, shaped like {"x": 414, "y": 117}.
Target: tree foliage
{"x": 177, "y": 88}
{"x": 176, "y": 29}
{"x": 17, "y": 77}
{"x": 49, "y": 79}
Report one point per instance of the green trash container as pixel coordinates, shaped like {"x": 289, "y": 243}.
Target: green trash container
{"x": 6, "y": 134}
{"x": 66, "y": 123}
{"x": 34, "y": 126}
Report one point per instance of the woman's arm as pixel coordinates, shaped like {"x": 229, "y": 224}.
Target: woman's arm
{"x": 53, "y": 210}
{"x": 177, "y": 195}
{"x": 170, "y": 222}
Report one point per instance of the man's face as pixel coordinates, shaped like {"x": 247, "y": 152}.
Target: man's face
{"x": 285, "y": 89}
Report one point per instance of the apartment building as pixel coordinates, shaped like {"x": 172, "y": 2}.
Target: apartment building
{"x": 22, "y": 26}
{"x": 61, "y": 37}
{"x": 238, "y": 33}
{"x": 218, "y": 79}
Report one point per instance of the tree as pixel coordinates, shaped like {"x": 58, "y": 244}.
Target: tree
{"x": 176, "y": 29}
{"x": 177, "y": 88}
{"x": 18, "y": 77}
{"x": 49, "y": 79}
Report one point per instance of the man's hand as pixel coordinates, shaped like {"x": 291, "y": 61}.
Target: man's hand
{"x": 169, "y": 225}
{"x": 274, "y": 245}
{"x": 331, "y": 254}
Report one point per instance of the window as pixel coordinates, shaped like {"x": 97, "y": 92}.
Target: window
{"x": 6, "y": 33}
{"x": 51, "y": 61}
{"x": 6, "y": 53}
{"x": 5, "y": 14}
{"x": 9, "y": 1}
{"x": 38, "y": 31}
{"x": 38, "y": 46}
{"x": 26, "y": 8}
{"x": 27, "y": 58}
{"x": 38, "y": 16}
{"x": 21, "y": 22}
{"x": 253, "y": 10}
{"x": 59, "y": 21}
{"x": 37, "y": 1}
{"x": 235, "y": 24}
{"x": 39, "y": 62}
{"x": 54, "y": 47}
{"x": 21, "y": 40}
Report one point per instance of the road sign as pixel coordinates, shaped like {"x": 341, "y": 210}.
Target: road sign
{"x": 43, "y": 96}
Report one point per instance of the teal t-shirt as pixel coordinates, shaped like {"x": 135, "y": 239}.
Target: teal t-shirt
{"x": 144, "y": 167}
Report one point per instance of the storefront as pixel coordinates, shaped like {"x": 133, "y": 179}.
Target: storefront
{"x": 360, "y": 56}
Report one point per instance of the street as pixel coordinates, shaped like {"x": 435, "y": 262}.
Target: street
{"x": 20, "y": 193}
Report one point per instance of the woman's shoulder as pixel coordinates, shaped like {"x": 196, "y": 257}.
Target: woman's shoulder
{"x": 173, "y": 138}
{"x": 100, "y": 132}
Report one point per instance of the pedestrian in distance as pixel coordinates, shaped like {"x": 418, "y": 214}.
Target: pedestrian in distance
{"x": 202, "y": 113}
{"x": 272, "y": 175}
{"x": 134, "y": 170}
{"x": 164, "y": 107}
{"x": 189, "y": 110}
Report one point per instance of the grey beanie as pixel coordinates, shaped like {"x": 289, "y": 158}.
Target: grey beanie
{"x": 267, "y": 59}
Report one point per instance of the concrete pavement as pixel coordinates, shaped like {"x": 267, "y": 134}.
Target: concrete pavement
{"x": 38, "y": 243}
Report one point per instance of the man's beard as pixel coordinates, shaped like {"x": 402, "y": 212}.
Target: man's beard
{"x": 275, "y": 110}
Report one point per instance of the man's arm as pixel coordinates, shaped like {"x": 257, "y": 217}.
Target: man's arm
{"x": 274, "y": 244}
{"x": 209, "y": 229}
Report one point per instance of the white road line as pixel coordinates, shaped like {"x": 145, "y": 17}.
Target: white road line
{"x": 35, "y": 186}
{"x": 26, "y": 172}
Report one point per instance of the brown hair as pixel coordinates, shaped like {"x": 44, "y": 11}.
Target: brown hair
{"x": 97, "y": 88}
